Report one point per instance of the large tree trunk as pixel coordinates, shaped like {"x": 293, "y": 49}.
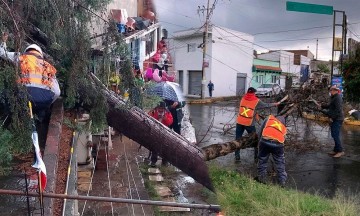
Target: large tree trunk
{"x": 217, "y": 150}
{"x": 140, "y": 127}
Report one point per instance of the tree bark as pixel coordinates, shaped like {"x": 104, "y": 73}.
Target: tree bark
{"x": 145, "y": 130}
{"x": 221, "y": 149}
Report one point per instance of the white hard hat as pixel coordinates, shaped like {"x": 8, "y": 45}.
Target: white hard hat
{"x": 34, "y": 47}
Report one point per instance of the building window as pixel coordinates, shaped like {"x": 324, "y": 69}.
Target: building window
{"x": 191, "y": 47}
{"x": 256, "y": 78}
{"x": 261, "y": 79}
{"x": 274, "y": 79}
{"x": 150, "y": 43}
{"x": 181, "y": 78}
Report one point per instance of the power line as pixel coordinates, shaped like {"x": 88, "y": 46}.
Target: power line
{"x": 299, "y": 39}
{"x": 292, "y": 30}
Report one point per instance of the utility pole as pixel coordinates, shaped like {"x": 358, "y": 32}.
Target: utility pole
{"x": 205, "y": 38}
{"x": 317, "y": 46}
{"x": 343, "y": 36}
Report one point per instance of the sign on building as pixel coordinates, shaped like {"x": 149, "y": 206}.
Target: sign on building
{"x": 338, "y": 44}
{"x": 338, "y": 81}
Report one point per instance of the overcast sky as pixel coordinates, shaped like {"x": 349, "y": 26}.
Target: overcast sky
{"x": 258, "y": 17}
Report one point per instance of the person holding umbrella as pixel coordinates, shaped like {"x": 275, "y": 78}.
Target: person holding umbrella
{"x": 173, "y": 97}
{"x": 177, "y": 114}
{"x": 163, "y": 115}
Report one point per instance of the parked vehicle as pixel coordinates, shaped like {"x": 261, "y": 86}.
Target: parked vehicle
{"x": 268, "y": 90}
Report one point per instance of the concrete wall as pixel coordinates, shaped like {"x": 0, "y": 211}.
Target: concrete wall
{"x": 286, "y": 63}
{"x": 286, "y": 59}
{"x": 186, "y": 61}
{"x": 232, "y": 53}
{"x": 229, "y": 53}
{"x": 266, "y": 76}
{"x": 266, "y": 62}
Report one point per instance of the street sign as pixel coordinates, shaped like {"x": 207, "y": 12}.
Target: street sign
{"x": 309, "y": 8}
{"x": 338, "y": 44}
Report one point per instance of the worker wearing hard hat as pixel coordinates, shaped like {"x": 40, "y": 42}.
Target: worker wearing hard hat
{"x": 36, "y": 74}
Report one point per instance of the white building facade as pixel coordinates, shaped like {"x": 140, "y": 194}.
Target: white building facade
{"x": 289, "y": 68}
{"x": 229, "y": 56}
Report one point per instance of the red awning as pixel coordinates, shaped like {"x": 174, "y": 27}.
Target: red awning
{"x": 267, "y": 68}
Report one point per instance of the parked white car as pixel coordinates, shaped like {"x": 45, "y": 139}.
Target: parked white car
{"x": 268, "y": 90}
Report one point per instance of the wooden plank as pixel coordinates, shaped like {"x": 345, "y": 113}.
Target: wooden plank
{"x": 83, "y": 186}
{"x": 84, "y": 174}
{"x": 157, "y": 178}
{"x": 154, "y": 171}
{"x": 163, "y": 191}
{"x": 171, "y": 208}
{"x": 83, "y": 180}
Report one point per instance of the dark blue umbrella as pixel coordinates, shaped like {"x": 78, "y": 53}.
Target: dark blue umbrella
{"x": 167, "y": 90}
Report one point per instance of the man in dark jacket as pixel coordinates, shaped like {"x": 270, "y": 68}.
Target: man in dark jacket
{"x": 272, "y": 138}
{"x": 334, "y": 110}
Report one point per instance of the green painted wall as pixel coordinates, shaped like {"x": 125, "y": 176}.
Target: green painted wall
{"x": 266, "y": 76}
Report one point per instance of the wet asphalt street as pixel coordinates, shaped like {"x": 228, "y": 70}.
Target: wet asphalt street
{"x": 309, "y": 167}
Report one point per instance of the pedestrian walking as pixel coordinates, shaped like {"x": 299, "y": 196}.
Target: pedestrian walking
{"x": 210, "y": 87}
{"x": 247, "y": 112}
{"x": 334, "y": 110}
{"x": 272, "y": 138}
{"x": 164, "y": 116}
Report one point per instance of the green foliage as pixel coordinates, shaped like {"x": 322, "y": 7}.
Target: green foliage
{"x": 5, "y": 149}
{"x": 65, "y": 37}
{"x": 323, "y": 68}
{"x": 15, "y": 110}
{"x": 240, "y": 195}
{"x": 351, "y": 77}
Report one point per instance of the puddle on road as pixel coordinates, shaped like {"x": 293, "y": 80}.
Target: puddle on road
{"x": 309, "y": 169}
{"x": 12, "y": 205}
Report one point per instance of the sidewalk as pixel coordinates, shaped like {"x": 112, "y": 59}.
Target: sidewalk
{"x": 125, "y": 180}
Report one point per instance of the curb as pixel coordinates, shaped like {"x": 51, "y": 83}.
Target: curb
{"x": 51, "y": 151}
{"x": 211, "y": 100}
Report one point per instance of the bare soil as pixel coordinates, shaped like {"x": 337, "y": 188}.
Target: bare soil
{"x": 63, "y": 163}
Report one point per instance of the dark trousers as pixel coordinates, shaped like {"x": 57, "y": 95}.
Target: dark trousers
{"x": 335, "y": 128}
{"x": 277, "y": 150}
{"x": 41, "y": 98}
{"x": 239, "y": 132}
{"x": 154, "y": 158}
{"x": 210, "y": 92}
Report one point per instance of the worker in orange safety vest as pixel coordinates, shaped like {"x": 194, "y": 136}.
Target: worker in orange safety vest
{"x": 37, "y": 75}
{"x": 272, "y": 138}
{"x": 247, "y": 112}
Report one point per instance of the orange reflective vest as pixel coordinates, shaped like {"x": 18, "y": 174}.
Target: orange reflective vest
{"x": 36, "y": 72}
{"x": 274, "y": 130}
{"x": 246, "y": 112}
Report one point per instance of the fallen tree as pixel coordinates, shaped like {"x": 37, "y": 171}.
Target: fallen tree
{"x": 148, "y": 132}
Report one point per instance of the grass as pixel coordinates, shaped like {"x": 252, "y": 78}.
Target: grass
{"x": 240, "y": 195}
